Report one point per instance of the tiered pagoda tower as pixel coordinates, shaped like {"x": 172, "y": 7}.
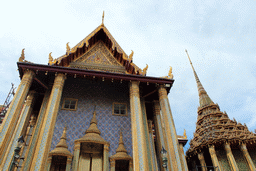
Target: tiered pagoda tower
{"x": 219, "y": 143}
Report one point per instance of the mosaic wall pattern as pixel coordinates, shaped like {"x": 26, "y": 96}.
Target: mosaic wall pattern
{"x": 89, "y": 94}
{"x": 252, "y": 153}
{"x": 222, "y": 157}
{"x": 240, "y": 160}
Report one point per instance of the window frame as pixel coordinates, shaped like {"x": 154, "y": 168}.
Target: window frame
{"x": 71, "y": 99}
{"x": 113, "y": 109}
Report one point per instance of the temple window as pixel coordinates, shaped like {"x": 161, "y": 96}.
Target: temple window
{"x": 69, "y": 104}
{"x": 119, "y": 109}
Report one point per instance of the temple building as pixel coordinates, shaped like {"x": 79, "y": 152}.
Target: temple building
{"x": 91, "y": 109}
{"x": 219, "y": 143}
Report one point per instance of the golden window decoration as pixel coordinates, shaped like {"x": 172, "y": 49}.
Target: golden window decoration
{"x": 119, "y": 109}
{"x": 69, "y": 104}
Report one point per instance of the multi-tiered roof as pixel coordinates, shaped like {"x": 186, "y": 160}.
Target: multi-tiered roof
{"x": 214, "y": 126}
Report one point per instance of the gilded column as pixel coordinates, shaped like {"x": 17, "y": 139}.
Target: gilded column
{"x": 12, "y": 115}
{"x": 172, "y": 141}
{"x": 35, "y": 135}
{"x": 49, "y": 163}
{"x": 130, "y": 165}
{"x": 19, "y": 130}
{"x": 112, "y": 165}
{"x": 152, "y": 146}
{"x": 105, "y": 155}
{"x": 147, "y": 136}
{"x": 214, "y": 158}
{"x": 202, "y": 161}
{"x": 182, "y": 158}
{"x": 138, "y": 138}
{"x": 45, "y": 137}
{"x": 230, "y": 157}
{"x": 247, "y": 156}
{"x": 69, "y": 161}
{"x": 160, "y": 134}
{"x": 76, "y": 156}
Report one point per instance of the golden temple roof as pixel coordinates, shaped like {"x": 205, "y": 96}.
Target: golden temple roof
{"x": 88, "y": 41}
{"x": 62, "y": 147}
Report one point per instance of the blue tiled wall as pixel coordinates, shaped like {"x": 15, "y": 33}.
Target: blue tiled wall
{"x": 91, "y": 93}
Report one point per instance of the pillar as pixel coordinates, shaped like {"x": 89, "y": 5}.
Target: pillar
{"x": 152, "y": 146}
{"x": 76, "y": 156}
{"x": 12, "y": 115}
{"x": 146, "y": 135}
{"x": 231, "y": 159}
{"x": 48, "y": 164}
{"x": 105, "y": 159}
{"x": 112, "y": 165}
{"x": 182, "y": 158}
{"x": 243, "y": 148}
{"x": 19, "y": 130}
{"x": 130, "y": 165}
{"x": 35, "y": 135}
{"x": 45, "y": 137}
{"x": 202, "y": 161}
{"x": 172, "y": 147}
{"x": 160, "y": 134}
{"x": 214, "y": 158}
{"x": 138, "y": 138}
{"x": 68, "y": 166}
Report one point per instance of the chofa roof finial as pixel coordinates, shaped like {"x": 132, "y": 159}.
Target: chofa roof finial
{"x": 102, "y": 19}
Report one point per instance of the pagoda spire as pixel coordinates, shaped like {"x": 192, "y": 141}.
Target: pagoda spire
{"x": 204, "y": 99}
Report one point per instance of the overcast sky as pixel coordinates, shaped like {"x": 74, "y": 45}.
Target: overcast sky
{"x": 219, "y": 36}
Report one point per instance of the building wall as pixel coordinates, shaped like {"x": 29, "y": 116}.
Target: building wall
{"x": 90, "y": 93}
{"x": 240, "y": 160}
{"x": 252, "y": 153}
{"x": 222, "y": 157}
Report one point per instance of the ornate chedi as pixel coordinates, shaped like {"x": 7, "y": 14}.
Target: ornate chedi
{"x": 214, "y": 130}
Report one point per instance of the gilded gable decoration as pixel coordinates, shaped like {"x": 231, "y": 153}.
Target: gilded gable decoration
{"x": 22, "y": 57}
{"x": 67, "y": 47}
{"x": 51, "y": 60}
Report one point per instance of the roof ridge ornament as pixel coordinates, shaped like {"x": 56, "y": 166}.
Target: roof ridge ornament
{"x": 102, "y": 19}
{"x": 51, "y": 60}
{"x": 67, "y": 47}
{"x": 22, "y": 57}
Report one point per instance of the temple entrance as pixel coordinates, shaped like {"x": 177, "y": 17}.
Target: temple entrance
{"x": 91, "y": 157}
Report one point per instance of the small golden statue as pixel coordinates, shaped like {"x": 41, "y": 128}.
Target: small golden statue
{"x": 67, "y": 47}
{"x": 144, "y": 71}
{"x": 131, "y": 55}
{"x": 22, "y": 57}
{"x": 51, "y": 61}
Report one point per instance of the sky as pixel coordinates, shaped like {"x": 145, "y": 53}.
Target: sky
{"x": 219, "y": 36}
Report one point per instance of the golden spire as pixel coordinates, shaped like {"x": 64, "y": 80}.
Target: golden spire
{"x": 121, "y": 147}
{"x": 102, "y": 19}
{"x": 204, "y": 99}
{"x": 92, "y": 134}
{"x": 121, "y": 152}
{"x": 62, "y": 147}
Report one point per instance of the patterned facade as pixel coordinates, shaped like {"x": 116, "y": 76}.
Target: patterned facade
{"x": 90, "y": 109}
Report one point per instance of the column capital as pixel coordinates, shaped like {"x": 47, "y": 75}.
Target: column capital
{"x": 30, "y": 97}
{"x": 28, "y": 77}
{"x": 134, "y": 89}
{"x": 69, "y": 160}
{"x": 227, "y": 147}
{"x": 59, "y": 81}
{"x": 77, "y": 146}
{"x": 112, "y": 163}
{"x": 106, "y": 147}
{"x": 162, "y": 92}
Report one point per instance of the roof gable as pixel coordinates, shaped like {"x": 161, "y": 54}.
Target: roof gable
{"x": 99, "y": 34}
{"x": 98, "y": 58}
